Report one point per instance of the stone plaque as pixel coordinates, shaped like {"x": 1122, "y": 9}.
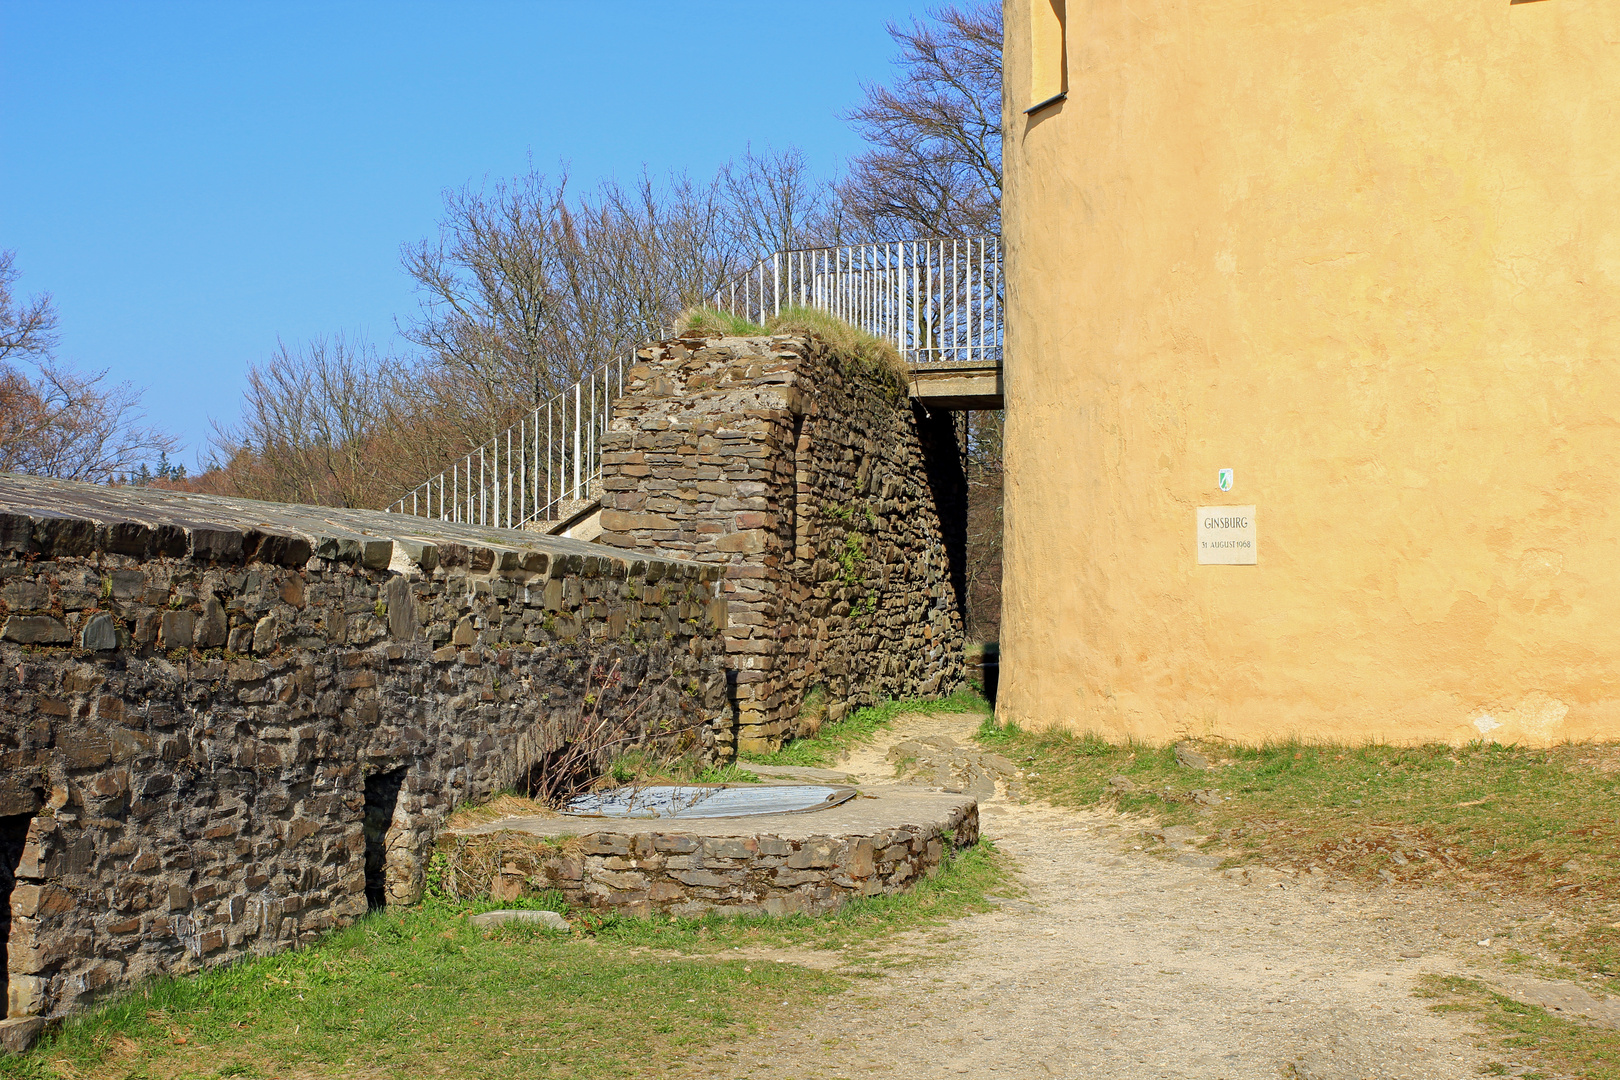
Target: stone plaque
{"x": 1226, "y": 535}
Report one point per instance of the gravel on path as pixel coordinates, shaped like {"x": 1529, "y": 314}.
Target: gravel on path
{"x": 1111, "y": 961}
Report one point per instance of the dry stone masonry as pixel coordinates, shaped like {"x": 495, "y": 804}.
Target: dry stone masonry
{"x": 224, "y": 724}
{"x": 836, "y": 507}
{"x": 776, "y": 864}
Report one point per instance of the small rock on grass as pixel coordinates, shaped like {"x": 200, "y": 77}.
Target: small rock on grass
{"x": 548, "y": 919}
{"x": 20, "y": 1034}
{"x": 1121, "y": 784}
{"x": 1189, "y": 757}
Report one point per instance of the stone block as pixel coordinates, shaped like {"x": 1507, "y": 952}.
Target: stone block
{"x": 729, "y": 847}
{"x": 83, "y": 748}
{"x": 100, "y": 633}
{"x": 745, "y": 542}
{"x": 178, "y": 630}
{"x": 675, "y": 843}
{"x": 706, "y": 878}
{"x": 210, "y": 630}
{"x": 35, "y": 630}
{"x": 620, "y": 521}
{"x": 547, "y": 919}
{"x": 817, "y": 853}
{"x": 18, "y": 1035}
{"x": 127, "y": 584}
{"x": 605, "y": 844}
{"x": 25, "y": 994}
{"x": 26, "y": 596}
{"x": 858, "y": 858}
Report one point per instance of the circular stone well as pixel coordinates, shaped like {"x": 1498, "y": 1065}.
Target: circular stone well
{"x": 814, "y": 849}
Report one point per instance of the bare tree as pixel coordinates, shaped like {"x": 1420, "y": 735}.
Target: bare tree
{"x": 527, "y": 287}
{"x": 934, "y": 167}
{"x": 775, "y": 203}
{"x": 27, "y": 327}
{"x": 310, "y": 427}
{"x": 487, "y": 285}
{"x": 58, "y": 422}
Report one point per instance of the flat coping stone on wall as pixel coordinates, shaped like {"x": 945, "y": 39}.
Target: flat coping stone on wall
{"x": 874, "y": 810}
{"x": 65, "y": 518}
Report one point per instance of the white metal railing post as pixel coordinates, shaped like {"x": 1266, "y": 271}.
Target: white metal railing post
{"x": 956, "y": 302}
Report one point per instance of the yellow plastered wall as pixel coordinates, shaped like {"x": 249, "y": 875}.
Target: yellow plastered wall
{"x": 1366, "y": 254}
{"x": 1047, "y": 67}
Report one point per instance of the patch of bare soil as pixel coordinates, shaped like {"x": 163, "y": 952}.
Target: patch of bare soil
{"x": 1123, "y": 956}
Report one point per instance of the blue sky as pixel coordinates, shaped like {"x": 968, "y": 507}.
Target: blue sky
{"x": 191, "y": 181}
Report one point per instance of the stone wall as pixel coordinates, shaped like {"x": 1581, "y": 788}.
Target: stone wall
{"x": 836, "y": 506}
{"x": 217, "y": 716}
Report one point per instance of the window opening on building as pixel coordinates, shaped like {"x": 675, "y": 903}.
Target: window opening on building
{"x": 1048, "y": 54}
{"x": 382, "y": 796}
{"x": 13, "y": 837}
{"x": 794, "y": 515}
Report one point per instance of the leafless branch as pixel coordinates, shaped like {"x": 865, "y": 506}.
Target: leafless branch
{"x": 934, "y": 167}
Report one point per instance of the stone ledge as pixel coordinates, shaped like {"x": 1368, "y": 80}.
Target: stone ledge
{"x": 883, "y": 841}
{"x": 54, "y": 518}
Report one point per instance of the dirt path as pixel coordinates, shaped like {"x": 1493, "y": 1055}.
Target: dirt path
{"x": 1114, "y": 962}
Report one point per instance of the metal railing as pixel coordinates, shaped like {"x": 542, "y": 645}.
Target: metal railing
{"x": 938, "y": 301}
{"x": 534, "y": 470}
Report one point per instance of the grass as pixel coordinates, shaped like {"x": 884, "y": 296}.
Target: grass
{"x": 640, "y": 767}
{"x": 871, "y": 352}
{"x": 876, "y": 355}
{"x": 1528, "y": 1034}
{"x": 836, "y": 739}
{"x": 1484, "y": 815}
{"x": 708, "y": 320}
{"x": 421, "y": 992}
{"x": 415, "y": 992}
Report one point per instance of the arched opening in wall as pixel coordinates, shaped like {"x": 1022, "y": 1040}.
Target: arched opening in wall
{"x": 943, "y": 461}
{"x": 382, "y": 799}
{"x": 13, "y": 838}
{"x": 980, "y": 437}
{"x": 795, "y": 514}
{"x": 561, "y": 774}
